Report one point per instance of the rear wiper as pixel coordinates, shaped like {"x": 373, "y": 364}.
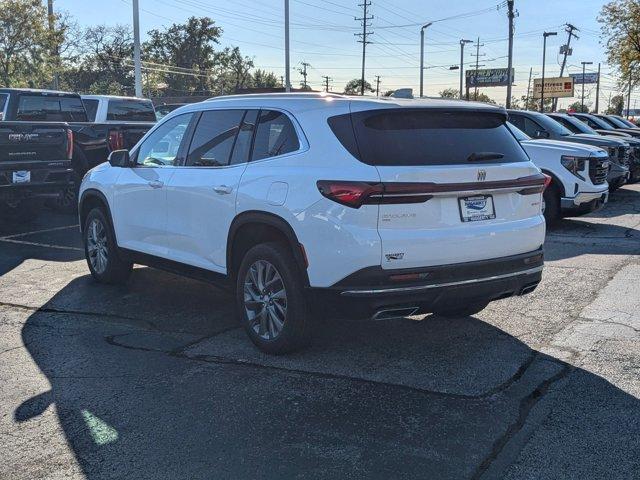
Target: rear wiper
{"x": 481, "y": 156}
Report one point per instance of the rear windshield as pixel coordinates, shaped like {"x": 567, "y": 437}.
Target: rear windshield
{"x": 427, "y": 137}
{"x": 131, "y": 111}
{"x": 50, "y": 108}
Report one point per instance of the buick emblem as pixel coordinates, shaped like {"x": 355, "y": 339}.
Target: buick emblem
{"x": 482, "y": 175}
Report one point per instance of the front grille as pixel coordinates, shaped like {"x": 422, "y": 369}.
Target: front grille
{"x": 624, "y": 156}
{"x": 598, "y": 170}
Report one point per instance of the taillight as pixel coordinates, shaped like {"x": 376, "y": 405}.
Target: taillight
{"x": 116, "y": 140}
{"x": 547, "y": 181}
{"x": 69, "y": 143}
{"x": 356, "y": 194}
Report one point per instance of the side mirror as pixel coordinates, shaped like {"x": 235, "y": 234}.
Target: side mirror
{"x": 119, "y": 158}
{"x": 541, "y": 134}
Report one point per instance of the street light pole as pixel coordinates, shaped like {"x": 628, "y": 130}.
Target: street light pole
{"x": 584, "y": 64}
{"x": 422, "y": 58}
{"x": 463, "y": 42}
{"x": 544, "y": 59}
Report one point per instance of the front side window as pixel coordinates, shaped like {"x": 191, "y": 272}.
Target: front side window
{"x": 275, "y": 135}
{"x": 160, "y": 148}
{"x": 214, "y": 138}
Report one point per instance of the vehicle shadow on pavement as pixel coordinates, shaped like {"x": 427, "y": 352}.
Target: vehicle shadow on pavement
{"x": 435, "y": 398}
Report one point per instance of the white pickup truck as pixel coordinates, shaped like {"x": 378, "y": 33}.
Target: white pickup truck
{"x": 579, "y": 175}
{"x": 111, "y": 108}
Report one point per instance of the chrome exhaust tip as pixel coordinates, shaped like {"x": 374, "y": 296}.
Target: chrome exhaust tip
{"x": 390, "y": 313}
{"x": 528, "y": 289}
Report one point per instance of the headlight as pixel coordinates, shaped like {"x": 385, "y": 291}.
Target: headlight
{"x": 612, "y": 151}
{"x": 574, "y": 164}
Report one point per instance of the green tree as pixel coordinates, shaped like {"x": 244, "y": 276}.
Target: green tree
{"x": 26, "y": 43}
{"x": 450, "y": 93}
{"x": 455, "y": 93}
{"x": 264, "y": 79}
{"x": 189, "y": 50}
{"x": 234, "y": 70}
{"x": 354, "y": 87}
{"x": 577, "y": 107}
{"x": 616, "y": 105}
{"x": 620, "y": 26}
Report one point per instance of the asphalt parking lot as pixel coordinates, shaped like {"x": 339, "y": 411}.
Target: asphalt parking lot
{"x": 155, "y": 380}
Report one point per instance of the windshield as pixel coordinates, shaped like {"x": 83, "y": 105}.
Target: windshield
{"x": 552, "y": 125}
{"x": 577, "y": 126}
{"x": 626, "y": 122}
{"x": 615, "y": 121}
{"x": 50, "y": 108}
{"x": 598, "y": 121}
{"x": 131, "y": 111}
{"x": 519, "y": 134}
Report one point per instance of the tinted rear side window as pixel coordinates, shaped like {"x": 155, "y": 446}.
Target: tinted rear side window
{"x": 91, "y": 106}
{"x": 131, "y": 111}
{"x": 275, "y": 135}
{"x": 214, "y": 138}
{"x": 426, "y": 137}
{"x": 49, "y": 108}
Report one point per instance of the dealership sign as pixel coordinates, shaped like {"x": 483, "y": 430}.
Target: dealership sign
{"x": 489, "y": 77}
{"x": 588, "y": 78}
{"x": 561, "y": 87}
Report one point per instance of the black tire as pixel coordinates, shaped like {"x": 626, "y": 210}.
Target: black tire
{"x": 295, "y": 330}
{"x": 464, "y": 311}
{"x": 23, "y": 211}
{"x": 551, "y": 197}
{"x": 114, "y": 269}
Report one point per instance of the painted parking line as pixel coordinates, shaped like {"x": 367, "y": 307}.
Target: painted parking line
{"x": 38, "y": 244}
{"x": 46, "y": 230}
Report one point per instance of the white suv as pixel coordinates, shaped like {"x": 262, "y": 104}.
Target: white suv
{"x": 320, "y": 203}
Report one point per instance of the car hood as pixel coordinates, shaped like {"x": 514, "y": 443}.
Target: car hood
{"x": 563, "y": 148}
{"x": 598, "y": 140}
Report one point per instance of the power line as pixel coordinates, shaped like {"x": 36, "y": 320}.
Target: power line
{"x": 364, "y": 36}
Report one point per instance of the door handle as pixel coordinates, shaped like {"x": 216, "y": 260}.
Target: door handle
{"x": 156, "y": 184}
{"x": 223, "y": 189}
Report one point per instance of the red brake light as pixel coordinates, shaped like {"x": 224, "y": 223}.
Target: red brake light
{"x": 116, "y": 140}
{"x": 356, "y": 194}
{"x": 69, "y": 143}
{"x": 547, "y": 180}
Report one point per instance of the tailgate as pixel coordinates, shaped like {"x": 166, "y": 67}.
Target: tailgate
{"x": 457, "y": 186}
{"x": 33, "y": 142}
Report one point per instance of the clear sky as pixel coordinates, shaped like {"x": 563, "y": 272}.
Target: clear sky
{"x": 322, "y": 34}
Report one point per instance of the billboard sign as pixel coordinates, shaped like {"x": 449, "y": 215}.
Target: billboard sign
{"x": 588, "y": 78}
{"x": 560, "y": 87}
{"x": 489, "y": 77}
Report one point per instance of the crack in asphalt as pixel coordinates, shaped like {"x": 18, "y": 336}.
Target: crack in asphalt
{"x": 526, "y": 405}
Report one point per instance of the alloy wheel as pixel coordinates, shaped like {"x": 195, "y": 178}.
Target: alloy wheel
{"x": 265, "y": 299}
{"x": 97, "y": 248}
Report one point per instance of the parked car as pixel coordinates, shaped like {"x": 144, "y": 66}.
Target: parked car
{"x": 623, "y": 121}
{"x": 35, "y": 163}
{"x": 579, "y": 175}
{"x": 539, "y": 126}
{"x": 631, "y": 158}
{"x": 92, "y": 142}
{"x": 603, "y": 126}
{"x": 114, "y": 109}
{"x": 306, "y": 203}
{"x": 166, "y": 108}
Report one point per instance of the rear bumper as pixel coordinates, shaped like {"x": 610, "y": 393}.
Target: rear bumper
{"x": 47, "y": 179}
{"x": 366, "y": 292}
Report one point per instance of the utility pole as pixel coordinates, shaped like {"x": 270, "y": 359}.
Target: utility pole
{"x": 136, "y": 48}
{"x": 56, "y": 53}
{"x": 377, "y": 85}
{"x": 526, "y": 105}
{"x": 609, "y": 103}
{"x": 364, "y": 37}
{"x": 477, "y": 55}
{"x": 303, "y": 71}
{"x": 544, "y": 59}
{"x": 422, "y": 57}
{"x": 281, "y": 80}
{"x": 510, "y": 15}
{"x": 287, "y": 58}
{"x": 566, "y": 51}
{"x": 327, "y": 79}
{"x": 629, "y": 96}
{"x": 598, "y": 91}
{"x": 463, "y": 42}
{"x": 584, "y": 64}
